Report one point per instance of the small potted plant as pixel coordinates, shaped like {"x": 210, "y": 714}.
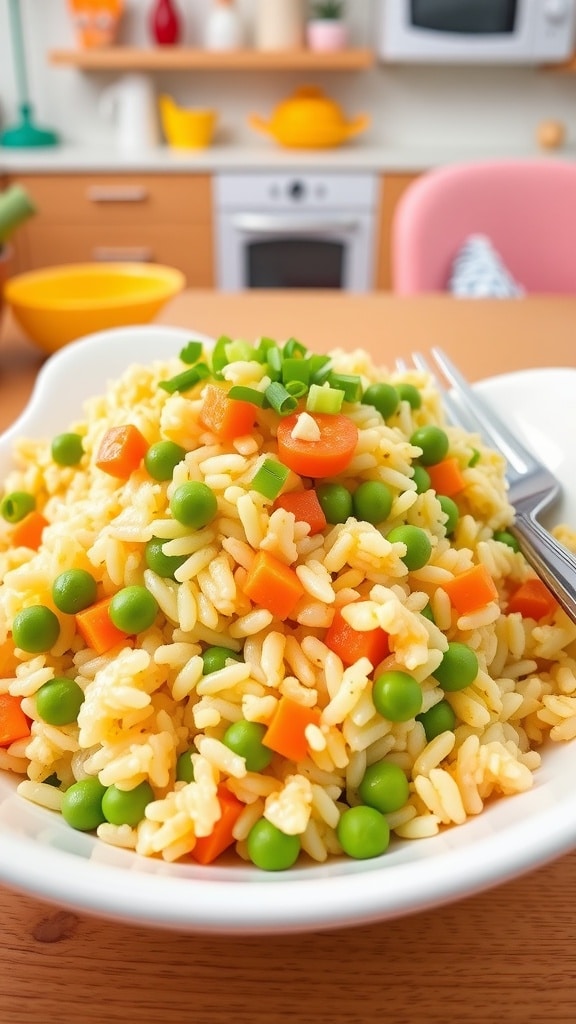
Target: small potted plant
{"x": 327, "y": 30}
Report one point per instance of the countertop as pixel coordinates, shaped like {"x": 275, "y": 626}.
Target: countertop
{"x": 357, "y": 156}
{"x": 506, "y": 954}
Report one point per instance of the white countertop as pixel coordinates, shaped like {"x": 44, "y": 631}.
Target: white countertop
{"x": 228, "y": 156}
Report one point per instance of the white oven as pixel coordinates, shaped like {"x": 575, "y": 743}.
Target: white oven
{"x": 295, "y": 230}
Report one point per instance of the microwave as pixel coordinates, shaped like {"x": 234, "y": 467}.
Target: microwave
{"x": 477, "y": 31}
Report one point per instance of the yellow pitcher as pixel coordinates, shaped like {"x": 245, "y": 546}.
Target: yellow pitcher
{"x": 186, "y": 128}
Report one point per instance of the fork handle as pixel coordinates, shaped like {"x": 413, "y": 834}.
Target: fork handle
{"x": 554, "y": 563}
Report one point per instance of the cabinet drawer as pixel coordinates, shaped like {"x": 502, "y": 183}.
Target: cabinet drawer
{"x": 120, "y": 199}
{"x": 187, "y": 247}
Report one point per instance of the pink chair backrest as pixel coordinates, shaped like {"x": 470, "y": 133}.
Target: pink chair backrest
{"x": 527, "y": 208}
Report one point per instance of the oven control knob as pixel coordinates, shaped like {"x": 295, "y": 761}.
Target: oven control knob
{"x": 555, "y": 10}
{"x": 296, "y": 190}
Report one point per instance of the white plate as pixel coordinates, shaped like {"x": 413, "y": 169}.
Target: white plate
{"x": 39, "y": 854}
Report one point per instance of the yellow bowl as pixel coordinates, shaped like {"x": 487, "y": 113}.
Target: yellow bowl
{"x": 59, "y": 304}
{"x": 186, "y": 128}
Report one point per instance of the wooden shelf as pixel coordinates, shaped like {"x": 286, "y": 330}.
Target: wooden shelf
{"x": 178, "y": 58}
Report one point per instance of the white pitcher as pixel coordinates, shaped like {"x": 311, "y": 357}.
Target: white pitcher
{"x": 131, "y": 104}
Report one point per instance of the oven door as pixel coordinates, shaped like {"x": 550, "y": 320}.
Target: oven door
{"x": 295, "y": 250}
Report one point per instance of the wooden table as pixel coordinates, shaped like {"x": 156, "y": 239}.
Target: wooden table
{"x": 508, "y": 954}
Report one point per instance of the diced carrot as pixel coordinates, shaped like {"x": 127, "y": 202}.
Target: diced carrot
{"x": 121, "y": 451}
{"x": 208, "y": 848}
{"x": 96, "y": 627}
{"x": 446, "y": 477}
{"x": 28, "y": 532}
{"x": 226, "y": 417}
{"x": 327, "y": 456}
{"x": 13, "y": 722}
{"x": 286, "y": 732}
{"x": 533, "y": 600}
{"x": 273, "y": 585}
{"x": 472, "y": 589}
{"x": 350, "y": 644}
{"x": 305, "y": 508}
{"x": 8, "y": 659}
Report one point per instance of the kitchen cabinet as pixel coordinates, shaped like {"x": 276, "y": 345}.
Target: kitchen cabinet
{"x": 392, "y": 186}
{"x": 104, "y": 217}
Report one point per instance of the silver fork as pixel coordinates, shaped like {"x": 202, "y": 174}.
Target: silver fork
{"x": 532, "y": 487}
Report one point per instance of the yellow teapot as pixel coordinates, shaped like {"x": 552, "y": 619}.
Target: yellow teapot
{"x": 309, "y": 120}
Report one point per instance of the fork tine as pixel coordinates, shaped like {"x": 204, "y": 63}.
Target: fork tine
{"x": 489, "y": 424}
{"x": 457, "y": 414}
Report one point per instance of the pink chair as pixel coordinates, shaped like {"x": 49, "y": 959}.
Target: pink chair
{"x": 527, "y": 208}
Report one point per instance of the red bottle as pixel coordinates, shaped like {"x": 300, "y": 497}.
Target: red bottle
{"x": 165, "y": 23}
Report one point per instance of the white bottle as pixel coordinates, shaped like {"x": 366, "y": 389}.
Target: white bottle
{"x": 224, "y": 30}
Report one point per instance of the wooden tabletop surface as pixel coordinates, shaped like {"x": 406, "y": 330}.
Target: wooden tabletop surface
{"x": 508, "y": 954}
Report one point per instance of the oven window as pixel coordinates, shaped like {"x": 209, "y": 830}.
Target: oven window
{"x": 295, "y": 263}
{"x": 469, "y": 17}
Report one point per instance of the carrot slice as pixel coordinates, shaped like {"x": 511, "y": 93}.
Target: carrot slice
{"x": 13, "y": 722}
{"x": 121, "y": 451}
{"x": 273, "y": 585}
{"x": 350, "y": 644}
{"x": 208, "y": 848}
{"x": 28, "y": 532}
{"x": 305, "y": 508}
{"x": 226, "y": 417}
{"x": 96, "y": 627}
{"x": 446, "y": 477}
{"x": 327, "y": 456}
{"x": 472, "y": 589}
{"x": 533, "y": 600}
{"x": 286, "y": 732}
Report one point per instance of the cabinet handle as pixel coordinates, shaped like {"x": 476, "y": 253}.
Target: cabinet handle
{"x": 117, "y": 194}
{"x": 133, "y": 254}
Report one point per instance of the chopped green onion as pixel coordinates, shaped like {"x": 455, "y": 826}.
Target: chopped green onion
{"x": 219, "y": 357}
{"x": 294, "y": 348}
{"x": 474, "y": 458}
{"x": 244, "y": 394}
{"x": 280, "y": 399}
{"x": 296, "y": 388}
{"x": 239, "y": 351}
{"x": 349, "y": 383}
{"x": 320, "y": 368}
{"x": 270, "y": 478}
{"x": 191, "y": 352}
{"x": 274, "y": 364}
{"x": 186, "y": 380}
{"x": 263, "y": 347}
{"x": 296, "y": 369}
{"x": 324, "y": 399}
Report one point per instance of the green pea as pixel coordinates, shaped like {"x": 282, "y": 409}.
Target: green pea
{"x": 82, "y": 805}
{"x": 73, "y": 590}
{"x": 385, "y": 787}
{"x": 193, "y": 504}
{"x": 184, "y": 766}
{"x": 438, "y": 719}
{"x": 427, "y": 612}
{"x": 133, "y": 609}
{"x": 17, "y": 505}
{"x": 270, "y": 849}
{"x": 67, "y": 449}
{"x": 450, "y": 509}
{"x": 35, "y": 629}
{"x": 397, "y": 696}
{"x": 163, "y": 565}
{"x": 59, "y": 700}
{"x": 363, "y": 832}
{"x": 474, "y": 458}
{"x": 215, "y": 658}
{"x": 126, "y": 806}
{"x": 458, "y": 668}
{"x": 409, "y": 393}
{"x": 422, "y": 479}
{"x": 384, "y": 397}
{"x": 162, "y": 458}
{"x": 418, "y": 546}
{"x": 434, "y": 444}
{"x": 245, "y": 739}
{"x": 372, "y": 501}
{"x": 335, "y": 502}
{"x": 507, "y": 538}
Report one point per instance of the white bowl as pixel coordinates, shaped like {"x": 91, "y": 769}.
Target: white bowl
{"x": 41, "y": 855}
